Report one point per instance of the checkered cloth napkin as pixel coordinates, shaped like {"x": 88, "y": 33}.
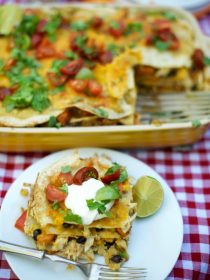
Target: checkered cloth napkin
{"x": 188, "y": 174}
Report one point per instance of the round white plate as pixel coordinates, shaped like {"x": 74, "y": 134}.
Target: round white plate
{"x": 187, "y": 4}
{"x": 155, "y": 242}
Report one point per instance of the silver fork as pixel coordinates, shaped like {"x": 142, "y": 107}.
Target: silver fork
{"x": 93, "y": 271}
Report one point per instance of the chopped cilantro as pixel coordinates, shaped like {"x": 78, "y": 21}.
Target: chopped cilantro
{"x": 81, "y": 40}
{"x": 123, "y": 176}
{"x": 55, "y": 205}
{"x": 124, "y": 255}
{"x": 64, "y": 188}
{"x": 114, "y": 49}
{"x": 196, "y": 123}
{"x": 113, "y": 169}
{"x": 1, "y": 65}
{"x": 161, "y": 46}
{"x": 27, "y": 25}
{"x": 79, "y": 25}
{"x": 133, "y": 27}
{"x": 85, "y": 74}
{"x": 56, "y": 90}
{"x": 206, "y": 60}
{"x": 115, "y": 25}
{"x": 101, "y": 112}
{"x": 71, "y": 55}
{"x": 53, "y": 122}
{"x": 65, "y": 169}
{"x": 170, "y": 15}
{"x": 57, "y": 65}
{"x": 107, "y": 193}
{"x": 40, "y": 101}
{"x": 51, "y": 27}
{"x": 95, "y": 205}
{"x": 70, "y": 217}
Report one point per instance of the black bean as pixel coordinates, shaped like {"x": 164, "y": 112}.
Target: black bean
{"x": 36, "y": 233}
{"x": 81, "y": 240}
{"x": 66, "y": 225}
{"x": 116, "y": 259}
{"x": 109, "y": 244}
{"x": 99, "y": 229}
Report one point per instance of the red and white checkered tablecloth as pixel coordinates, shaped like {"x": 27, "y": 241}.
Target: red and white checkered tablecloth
{"x": 188, "y": 174}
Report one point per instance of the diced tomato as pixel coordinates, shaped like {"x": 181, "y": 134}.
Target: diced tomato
{"x": 198, "y": 59}
{"x": 45, "y": 49}
{"x": 106, "y": 57}
{"x": 165, "y": 35}
{"x": 54, "y": 194}
{"x": 9, "y": 64}
{"x": 20, "y": 223}
{"x": 78, "y": 85}
{"x": 97, "y": 22}
{"x": 4, "y": 91}
{"x": 94, "y": 87}
{"x": 174, "y": 45}
{"x": 111, "y": 177}
{"x": 45, "y": 238}
{"x": 41, "y": 25}
{"x": 84, "y": 174}
{"x": 64, "y": 118}
{"x": 56, "y": 79}
{"x": 161, "y": 24}
{"x": 65, "y": 178}
{"x": 117, "y": 32}
{"x": 36, "y": 39}
{"x": 72, "y": 68}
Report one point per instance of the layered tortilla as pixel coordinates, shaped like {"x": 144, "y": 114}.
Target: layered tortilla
{"x": 77, "y": 64}
{"x": 106, "y": 236}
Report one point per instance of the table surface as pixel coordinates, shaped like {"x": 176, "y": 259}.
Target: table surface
{"x": 188, "y": 174}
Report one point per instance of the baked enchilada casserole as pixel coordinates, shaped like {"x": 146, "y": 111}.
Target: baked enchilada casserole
{"x": 79, "y": 66}
{"x": 79, "y": 207}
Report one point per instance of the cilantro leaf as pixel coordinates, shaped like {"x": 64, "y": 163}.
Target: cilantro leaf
{"x": 65, "y": 169}
{"x": 161, "y": 46}
{"x": 71, "y": 55}
{"x": 196, "y": 123}
{"x": 107, "y": 193}
{"x": 56, "y": 90}
{"x": 101, "y": 112}
{"x": 113, "y": 169}
{"x": 170, "y": 15}
{"x": 55, "y": 205}
{"x": 114, "y": 49}
{"x": 79, "y": 25}
{"x": 40, "y": 102}
{"x": 1, "y": 65}
{"x": 123, "y": 176}
{"x": 51, "y": 27}
{"x": 95, "y": 205}
{"x": 70, "y": 217}
{"x": 133, "y": 27}
{"x": 57, "y": 65}
{"x": 53, "y": 122}
{"x": 206, "y": 60}
{"x": 81, "y": 40}
{"x": 114, "y": 24}
{"x": 27, "y": 25}
{"x": 85, "y": 74}
{"x": 64, "y": 188}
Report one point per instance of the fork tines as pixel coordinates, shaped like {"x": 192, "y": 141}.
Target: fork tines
{"x": 125, "y": 273}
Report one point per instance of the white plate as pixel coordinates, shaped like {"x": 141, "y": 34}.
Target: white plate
{"x": 187, "y": 4}
{"x": 155, "y": 242}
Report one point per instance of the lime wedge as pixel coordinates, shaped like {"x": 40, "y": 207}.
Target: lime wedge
{"x": 10, "y": 15}
{"x": 148, "y": 193}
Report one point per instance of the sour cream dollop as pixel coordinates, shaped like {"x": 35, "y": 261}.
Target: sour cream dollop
{"x": 77, "y": 197}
